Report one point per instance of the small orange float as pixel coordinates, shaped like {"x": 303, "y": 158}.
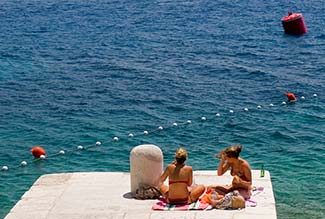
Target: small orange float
{"x": 38, "y": 151}
{"x": 291, "y": 97}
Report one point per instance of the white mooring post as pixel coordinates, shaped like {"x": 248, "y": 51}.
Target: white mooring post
{"x": 146, "y": 165}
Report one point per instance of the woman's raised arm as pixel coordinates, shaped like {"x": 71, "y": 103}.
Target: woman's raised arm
{"x": 223, "y": 167}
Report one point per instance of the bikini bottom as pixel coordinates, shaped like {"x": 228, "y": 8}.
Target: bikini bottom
{"x": 178, "y": 201}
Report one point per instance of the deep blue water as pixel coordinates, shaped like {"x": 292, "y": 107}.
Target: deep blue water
{"x": 76, "y": 72}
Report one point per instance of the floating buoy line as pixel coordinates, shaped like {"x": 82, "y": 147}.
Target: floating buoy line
{"x": 40, "y": 154}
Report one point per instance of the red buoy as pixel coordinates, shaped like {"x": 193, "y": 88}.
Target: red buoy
{"x": 38, "y": 151}
{"x": 291, "y": 97}
{"x": 294, "y": 24}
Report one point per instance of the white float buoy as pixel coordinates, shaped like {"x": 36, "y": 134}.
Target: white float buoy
{"x": 131, "y": 135}
{"x": 283, "y": 103}
{"x": 115, "y": 138}
{"x": 42, "y": 157}
{"x": 98, "y": 143}
{"x": 271, "y": 104}
{"x": 217, "y": 114}
{"x": 259, "y": 107}
{"x": 5, "y": 168}
{"x": 23, "y": 163}
{"x": 80, "y": 147}
{"x": 302, "y": 97}
{"x": 160, "y": 128}
{"x": 245, "y": 109}
{"x": 61, "y": 152}
{"x": 231, "y": 111}
{"x": 203, "y": 118}
{"x": 189, "y": 121}
{"x": 175, "y": 124}
{"x": 145, "y": 132}
{"x": 314, "y": 95}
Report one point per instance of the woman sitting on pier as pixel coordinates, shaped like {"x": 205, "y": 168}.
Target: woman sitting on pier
{"x": 240, "y": 170}
{"x": 180, "y": 189}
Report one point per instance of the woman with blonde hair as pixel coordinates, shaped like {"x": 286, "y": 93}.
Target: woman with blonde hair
{"x": 180, "y": 189}
{"x": 239, "y": 169}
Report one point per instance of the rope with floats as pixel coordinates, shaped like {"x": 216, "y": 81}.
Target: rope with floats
{"x": 40, "y": 154}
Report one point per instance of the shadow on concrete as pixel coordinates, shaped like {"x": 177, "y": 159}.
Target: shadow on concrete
{"x": 128, "y": 195}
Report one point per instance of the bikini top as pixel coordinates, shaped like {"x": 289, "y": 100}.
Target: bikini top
{"x": 239, "y": 173}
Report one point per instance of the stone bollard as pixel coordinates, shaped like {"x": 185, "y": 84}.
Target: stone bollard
{"x": 146, "y": 165}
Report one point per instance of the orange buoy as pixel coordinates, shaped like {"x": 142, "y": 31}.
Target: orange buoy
{"x": 38, "y": 151}
{"x": 291, "y": 97}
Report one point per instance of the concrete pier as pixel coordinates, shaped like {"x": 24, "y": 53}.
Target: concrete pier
{"x": 107, "y": 195}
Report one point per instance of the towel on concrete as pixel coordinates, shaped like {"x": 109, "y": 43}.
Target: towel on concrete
{"x": 250, "y": 202}
{"x": 255, "y": 191}
{"x": 162, "y": 205}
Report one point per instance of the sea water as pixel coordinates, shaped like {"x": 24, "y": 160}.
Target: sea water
{"x": 77, "y": 72}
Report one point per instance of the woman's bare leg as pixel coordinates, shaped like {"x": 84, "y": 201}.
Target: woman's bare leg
{"x": 196, "y": 192}
{"x": 222, "y": 190}
{"x": 245, "y": 193}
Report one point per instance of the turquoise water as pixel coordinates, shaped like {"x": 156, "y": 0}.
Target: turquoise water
{"x": 74, "y": 73}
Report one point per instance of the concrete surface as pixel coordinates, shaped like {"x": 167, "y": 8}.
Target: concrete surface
{"x": 100, "y": 195}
